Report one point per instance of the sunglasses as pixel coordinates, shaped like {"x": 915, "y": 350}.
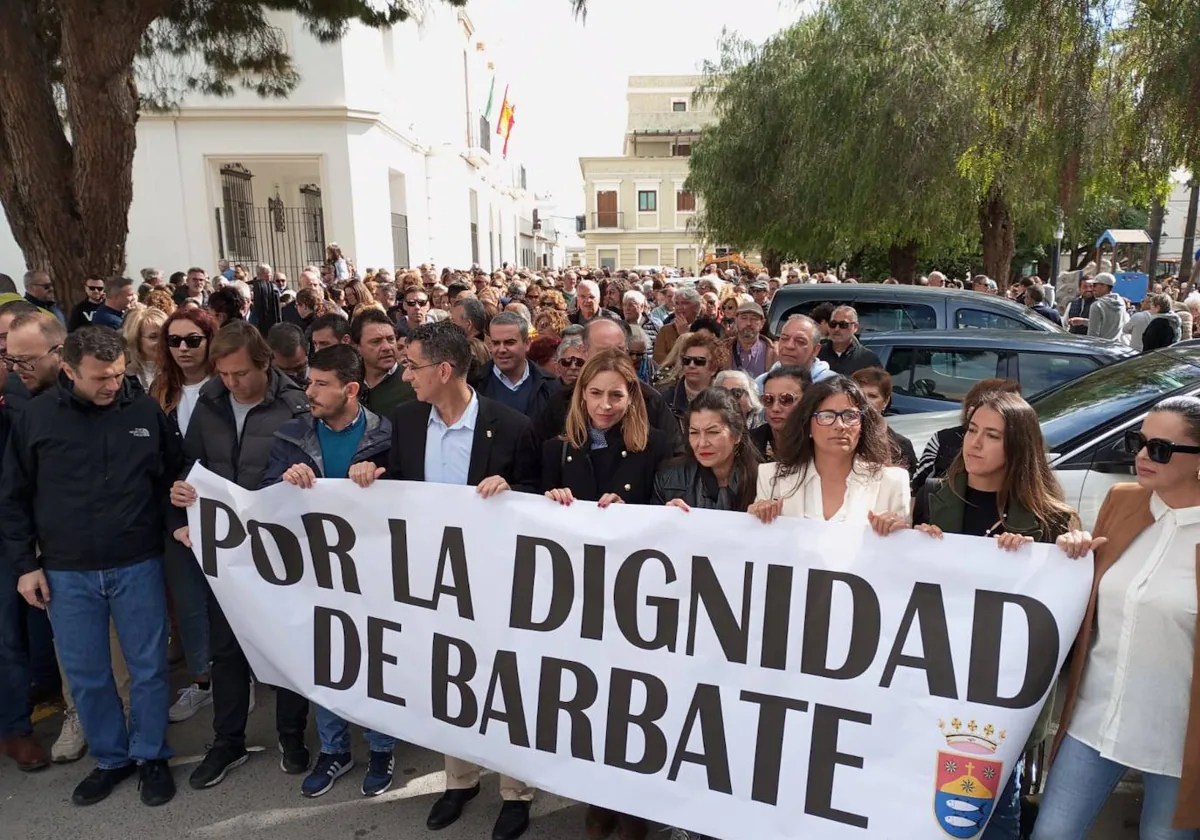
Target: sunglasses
{"x": 572, "y": 363}
{"x": 696, "y": 361}
{"x": 848, "y": 416}
{"x": 416, "y": 302}
{"x": 784, "y": 400}
{"x": 1158, "y": 450}
{"x": 841, "y": 325}
{"x": 637, "y": 355}
{"x": 192, "y": 341}
{"x": 736, "y": 393}
{"x": 94, "y": 288}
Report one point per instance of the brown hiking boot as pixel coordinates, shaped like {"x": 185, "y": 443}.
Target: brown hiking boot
{"x": 27, "y": 752}
{"x": 599, "y": 822}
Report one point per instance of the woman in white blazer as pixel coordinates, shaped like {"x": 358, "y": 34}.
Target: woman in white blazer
{"x": 833, "y": 462}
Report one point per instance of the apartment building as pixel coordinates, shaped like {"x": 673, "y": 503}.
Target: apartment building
{"x": 638, "y": 212}
{"x": 384, "y": 147}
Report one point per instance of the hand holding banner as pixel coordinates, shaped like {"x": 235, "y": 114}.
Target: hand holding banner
{"x": 799, "y": 679}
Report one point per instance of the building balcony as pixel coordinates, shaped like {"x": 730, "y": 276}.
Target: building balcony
{"x": 479, "y": 147}
{"x": 607, "y": 220}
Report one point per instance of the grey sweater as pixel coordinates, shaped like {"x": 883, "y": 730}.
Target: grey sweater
{"x": 1107, "y": 318}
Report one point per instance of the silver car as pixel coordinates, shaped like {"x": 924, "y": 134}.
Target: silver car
{"x": 1084, "y": 421}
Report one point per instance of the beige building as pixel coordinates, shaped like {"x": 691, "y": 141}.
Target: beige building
{"x": 638, "y": 213}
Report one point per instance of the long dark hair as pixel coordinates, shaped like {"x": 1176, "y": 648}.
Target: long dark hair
{"x": 167, "y": 387}
{"x": 1028, "y": 478}
{"x": 794, "y": 450}
{"x": 745, "y": 454}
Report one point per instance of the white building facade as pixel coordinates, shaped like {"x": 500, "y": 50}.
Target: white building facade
{"x": 383, "y": 148}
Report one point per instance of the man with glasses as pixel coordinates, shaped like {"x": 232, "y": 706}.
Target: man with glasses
{"x": 416, "y": 310}
{"x": 82, "y": 314}
{"x": 843, "y": 352}
{"x": 373, "y": 334}
{"x": 40, "y": 292}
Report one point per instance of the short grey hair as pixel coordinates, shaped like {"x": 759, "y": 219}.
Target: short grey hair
{"x": 635, "y": 296}
{"x": 588, "y": 284}
{"x": 149, "y": 274}
{"x": 568, "y": 342}
{"x": 687, "y": 294}
{"x": 744, "y": 381}
{"x": 115, "y": 284}
{"x": 636, "y": 333}
{"x": 516, "y": 289}
{"x": 511, "y": 319}
{"x": 101, "y": 343}
{"x": 33, "y": 276}
{"x": 262, "y": 268}
{"x": 814, "y": 331}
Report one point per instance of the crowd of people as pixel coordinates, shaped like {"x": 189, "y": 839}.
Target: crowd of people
{"x": 583, "y": 385}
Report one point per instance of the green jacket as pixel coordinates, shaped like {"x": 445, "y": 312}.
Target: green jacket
{"x": 940, "y": 504}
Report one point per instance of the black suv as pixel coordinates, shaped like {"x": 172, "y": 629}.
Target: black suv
{"x": 891, "y": 307}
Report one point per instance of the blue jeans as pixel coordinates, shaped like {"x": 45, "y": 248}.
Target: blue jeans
{"x": 134, "y": 598}
{"x": 14, "y": 659}
{"x": 1005, "y": 823}
{"x": 1079, "y": 784}
{"x": 335, "y": 734}
{"x": 189, "y": 589}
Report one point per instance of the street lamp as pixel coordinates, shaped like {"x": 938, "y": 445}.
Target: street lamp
{"x": 1059, "y": 232}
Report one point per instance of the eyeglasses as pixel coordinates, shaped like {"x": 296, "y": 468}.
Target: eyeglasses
{"x": 192, "y": 341}
{"x": 848, "y": 416}
{"x": 842, "y": 325}
{"x": 1158, "y": 450}
{"x": 784, "y": 400}
{"x": 410, "y": 366}
{"x": 737, "y": 393}
{"x": 572, "y": 363}
{"x": 94, "y": 288}
{"x": 26, "y": 365}
{"x": 697, "y": 361}
{"x": 415, "y": 302}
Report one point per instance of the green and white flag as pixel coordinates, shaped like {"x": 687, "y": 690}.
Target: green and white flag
{"x": 487, "y": 112}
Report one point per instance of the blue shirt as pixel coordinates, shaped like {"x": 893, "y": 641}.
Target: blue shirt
{"x": 448, "y": 448}
{"x": 106, "y": 316}
{"x": 338, "y": 448}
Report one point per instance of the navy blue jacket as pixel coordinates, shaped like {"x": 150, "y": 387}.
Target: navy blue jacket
{"x": 296, "y": 442}
{"x": 544, "y": 385}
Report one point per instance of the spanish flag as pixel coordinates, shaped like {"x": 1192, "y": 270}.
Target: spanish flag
{"x": 504, "y": 125}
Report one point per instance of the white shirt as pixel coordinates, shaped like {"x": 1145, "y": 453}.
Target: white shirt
{"x": 448, "y": 448}
{"x": 188, "y": 397}
{"x": 1134, "y": 700}
{"x": 886, "y": 490}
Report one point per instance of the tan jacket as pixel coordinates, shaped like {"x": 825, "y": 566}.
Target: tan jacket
{"x": 667, "y": 337}
{"x": 1125, "y": 514}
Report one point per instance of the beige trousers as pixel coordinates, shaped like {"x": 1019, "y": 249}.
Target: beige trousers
{"x": 120, "y": 673}
{"x": 463, "y": 774}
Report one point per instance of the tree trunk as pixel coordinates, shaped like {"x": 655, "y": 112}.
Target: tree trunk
{"x": 1156, "y": 225}
{"x": 1189, "y": 231}
{"x": 772, "y": 262}
{"x": 999, "y": 239}
{"x": 68, "y": 201}
{"x": 902, "y": 262}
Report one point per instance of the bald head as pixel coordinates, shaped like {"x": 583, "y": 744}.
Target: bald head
{"x": 603, "y": 334}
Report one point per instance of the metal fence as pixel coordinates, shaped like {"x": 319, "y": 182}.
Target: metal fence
{"x": 287, "y": 238}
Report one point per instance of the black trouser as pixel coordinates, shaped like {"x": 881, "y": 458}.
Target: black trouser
{"x": 231, "y": 686}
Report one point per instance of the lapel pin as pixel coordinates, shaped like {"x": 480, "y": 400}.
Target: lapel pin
{"x": 489, "y": 433}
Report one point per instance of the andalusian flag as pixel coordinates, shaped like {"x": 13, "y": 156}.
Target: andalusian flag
{"x": 487, "y": 112}
{"x": 504, "y": 125}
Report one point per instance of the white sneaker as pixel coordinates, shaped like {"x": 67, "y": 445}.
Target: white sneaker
{"x": 191, "y": 700}
{"x": 71, "y": 743}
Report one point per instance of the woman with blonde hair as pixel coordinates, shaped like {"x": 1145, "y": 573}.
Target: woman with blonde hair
{"x": 142, "y": 330}
{"x": 357, "y": 294}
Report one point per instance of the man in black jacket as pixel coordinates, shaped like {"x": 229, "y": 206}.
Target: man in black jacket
{"x": 843, "y": 352}
{"x": 94, "y": 453}
{"x": 510, "y": 378}
{"x": 455, "y": 436}
{"x": 231, "y": 433}
{"x": 603, "y": 333}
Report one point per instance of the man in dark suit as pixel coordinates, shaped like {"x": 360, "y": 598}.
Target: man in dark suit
{"x": 603, "y": 333}
{"x": 452, "y": 435}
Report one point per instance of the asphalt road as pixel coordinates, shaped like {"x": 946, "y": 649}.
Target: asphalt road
{"x": 259, "y": 802}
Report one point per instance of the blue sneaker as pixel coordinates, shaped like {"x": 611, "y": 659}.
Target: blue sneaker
{"x": 379, "y": 773}
{"x": 325, "y": 773}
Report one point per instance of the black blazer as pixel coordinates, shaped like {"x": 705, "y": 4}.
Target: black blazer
{"x": 552, "y": 420}
{"x": 503, "y": 445}
{"x": 589, "y": 474}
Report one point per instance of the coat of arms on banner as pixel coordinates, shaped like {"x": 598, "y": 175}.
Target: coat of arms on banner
{"x": 969, "y": 778}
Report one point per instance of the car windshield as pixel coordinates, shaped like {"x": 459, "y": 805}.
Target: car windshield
{"x": 1094, "y": 400}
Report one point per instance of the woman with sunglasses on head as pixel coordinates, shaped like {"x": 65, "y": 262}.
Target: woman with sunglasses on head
{"x": 700, "y": 357}
{"x": 720, "y": 466}
{"x": 183, "y": 348}
{"x": 1000, "y": 486}
{"x": 1133, "y": 698}
{"x": 782, "y": 390}
{"x": 741, "y": 386}
{"x": 832, "y": 462}
{"x": 608, "y": 454}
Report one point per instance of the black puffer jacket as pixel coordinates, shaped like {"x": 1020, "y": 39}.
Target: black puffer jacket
{"x": 212, "y": 432}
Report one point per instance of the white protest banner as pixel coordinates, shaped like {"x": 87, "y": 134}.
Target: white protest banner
{"x": 799, "y": 679}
